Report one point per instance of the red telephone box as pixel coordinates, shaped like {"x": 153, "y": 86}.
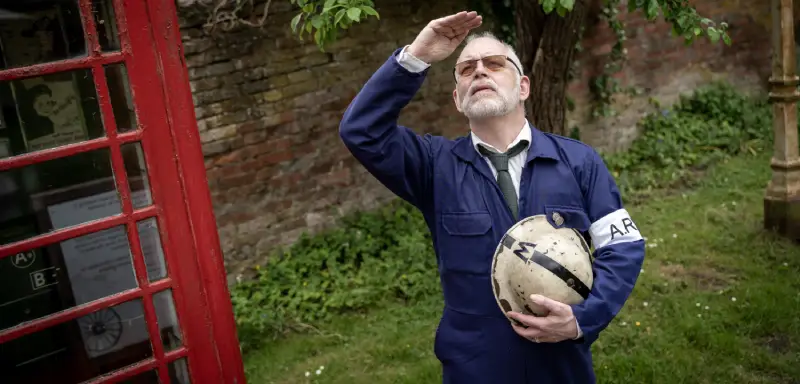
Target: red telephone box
{"x": 110, "y": 264}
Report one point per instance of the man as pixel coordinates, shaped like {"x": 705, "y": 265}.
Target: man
{"x": 470, "y": 197}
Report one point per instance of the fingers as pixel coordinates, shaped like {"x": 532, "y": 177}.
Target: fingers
{"x": 537, "y": 335}
{"x": 530, "y": 321}
{"x": 553, "y": 306}
{"x": 457, "y": 25}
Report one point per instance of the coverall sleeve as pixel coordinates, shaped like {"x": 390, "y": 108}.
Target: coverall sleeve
{"x": 619, "y": 250}
{"x": 395, "y": 155}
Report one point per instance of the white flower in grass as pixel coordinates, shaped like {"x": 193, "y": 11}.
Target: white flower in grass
{"x": 645, "y": 304}
{"x": 308, "y": 374}
{"x": 733, "y": 298}
{"x": 319, "y": 371}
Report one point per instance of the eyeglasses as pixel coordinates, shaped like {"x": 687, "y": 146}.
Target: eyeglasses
{"x": 494, "y": 63}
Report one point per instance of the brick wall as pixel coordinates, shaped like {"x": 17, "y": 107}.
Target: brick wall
{"x": 268, "y": 109}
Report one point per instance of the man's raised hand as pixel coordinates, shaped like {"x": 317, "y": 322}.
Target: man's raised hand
{"x": 442, "y": 36}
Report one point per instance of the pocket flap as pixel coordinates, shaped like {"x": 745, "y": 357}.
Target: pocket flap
{"x": 467, "y": 223}
{"x": 570, "y": 217}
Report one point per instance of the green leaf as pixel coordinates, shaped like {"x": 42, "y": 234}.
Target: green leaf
{"x": 727, "y": 39}
{"x": 339, "y": 16}
{"x": 316, "y": 21}
{"x": 295, "y": 21}
{"x": 329, "y": 4}
{"x": 713, "y": 34}
{"x": 567, "y": 4}
{"x": 354, "y": 13}
{"x": 652, "y": 9}
{"x": 370, "y": 11}
{"x": 548, "y": 5}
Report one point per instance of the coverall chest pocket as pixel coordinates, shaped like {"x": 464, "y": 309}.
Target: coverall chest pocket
{"x": 466, "y": 241}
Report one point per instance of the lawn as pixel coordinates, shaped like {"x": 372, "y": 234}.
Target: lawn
{"x": 718, "y": 301}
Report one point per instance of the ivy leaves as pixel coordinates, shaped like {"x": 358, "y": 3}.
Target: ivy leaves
{"x": 322, "y": 19}
{"x": 685, "y": 20}
{"x": 560, "y": 6}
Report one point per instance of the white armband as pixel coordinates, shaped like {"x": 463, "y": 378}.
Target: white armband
{"x": 614, "y": 228}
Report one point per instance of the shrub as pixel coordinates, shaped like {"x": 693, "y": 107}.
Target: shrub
{"x": 715, "y": 122}
{"x": 369, "y": 259}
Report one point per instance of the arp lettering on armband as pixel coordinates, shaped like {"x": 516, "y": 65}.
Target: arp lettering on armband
{"x": 616, "y": 227}
{"x": 627, "y": 226}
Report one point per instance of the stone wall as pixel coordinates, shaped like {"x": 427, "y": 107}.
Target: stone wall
{"x": 268, "y": 108}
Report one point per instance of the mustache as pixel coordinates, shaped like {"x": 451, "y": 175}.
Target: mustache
{"x": 488, "y": 84}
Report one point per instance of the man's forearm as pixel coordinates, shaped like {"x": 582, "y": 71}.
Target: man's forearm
{"x": 399, "y": 158}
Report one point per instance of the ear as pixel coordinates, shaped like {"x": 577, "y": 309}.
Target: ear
{"x": 455, "y": 100}
{"x": 524, "y": 88}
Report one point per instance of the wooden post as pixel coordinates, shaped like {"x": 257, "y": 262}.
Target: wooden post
{"x": 782, "y": 198}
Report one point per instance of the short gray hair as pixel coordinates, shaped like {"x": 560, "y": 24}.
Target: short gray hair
{"x": 512, "y": 53}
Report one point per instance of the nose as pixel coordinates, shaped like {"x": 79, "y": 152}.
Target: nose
{"x": 480, "y": 70}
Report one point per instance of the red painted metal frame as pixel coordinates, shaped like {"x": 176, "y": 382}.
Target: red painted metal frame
{"x": 182, "y": 205}
{"x": 180, "y": 110}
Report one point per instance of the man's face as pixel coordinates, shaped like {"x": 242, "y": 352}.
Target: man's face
{"x": 488, "y": 88}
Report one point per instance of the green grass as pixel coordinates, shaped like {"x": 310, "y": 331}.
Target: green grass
{"x": 681, "y": 324}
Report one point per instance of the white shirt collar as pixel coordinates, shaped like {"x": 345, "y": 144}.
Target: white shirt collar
{"x": 524, "y": 134}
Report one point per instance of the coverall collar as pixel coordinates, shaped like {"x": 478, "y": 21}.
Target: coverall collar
{"x": 540, "y": 146}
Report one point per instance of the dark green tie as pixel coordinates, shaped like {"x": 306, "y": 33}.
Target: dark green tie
{"x": 500, "y": 163}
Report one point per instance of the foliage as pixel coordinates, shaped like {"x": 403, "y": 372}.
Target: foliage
{"x": 715, "y": 122}
{"x": 373, "y": 258}
{"x": 322, "y": 19}
{"x": 369, "y": 259}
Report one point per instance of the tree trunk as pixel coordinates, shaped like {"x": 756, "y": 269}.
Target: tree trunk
{"x": 546, "y": 44}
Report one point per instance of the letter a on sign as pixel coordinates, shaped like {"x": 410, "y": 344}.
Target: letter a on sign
{"x": 23, "y": 259}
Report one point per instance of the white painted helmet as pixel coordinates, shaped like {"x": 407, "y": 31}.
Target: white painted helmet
{"x": 536, "y": 258}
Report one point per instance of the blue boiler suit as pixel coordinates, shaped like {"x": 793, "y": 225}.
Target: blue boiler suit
{"x": 451, "y": 184}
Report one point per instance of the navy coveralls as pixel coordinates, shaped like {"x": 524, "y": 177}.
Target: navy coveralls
{"x": 449, "y": 182}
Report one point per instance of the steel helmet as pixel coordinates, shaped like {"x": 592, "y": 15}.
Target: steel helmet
{"x": 534, "y": 257}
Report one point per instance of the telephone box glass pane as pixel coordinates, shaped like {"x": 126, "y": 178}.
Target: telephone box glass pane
{"x": 136, "y": 170}
{"x": 150, "y": 241}
{"x": 179, "y": 372}
{"x": 106, "y": 24}
{"x": 119, "y": 90}
{"x": 57, "y": 194}
{"x": 77, "y": 271}
{"x": 78, "y": 350}
{"x": 167, "y": 319}
{"x": 41, "y": 31}
{"x": 49, "y": 111}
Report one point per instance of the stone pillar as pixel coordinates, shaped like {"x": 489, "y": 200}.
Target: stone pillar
{"x": 782, "y": 198}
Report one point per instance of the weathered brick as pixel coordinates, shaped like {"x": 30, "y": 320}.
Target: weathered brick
{"x": 218, "y": 134}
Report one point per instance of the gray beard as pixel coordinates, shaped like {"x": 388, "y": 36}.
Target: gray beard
{"x": 491, "y": 107}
